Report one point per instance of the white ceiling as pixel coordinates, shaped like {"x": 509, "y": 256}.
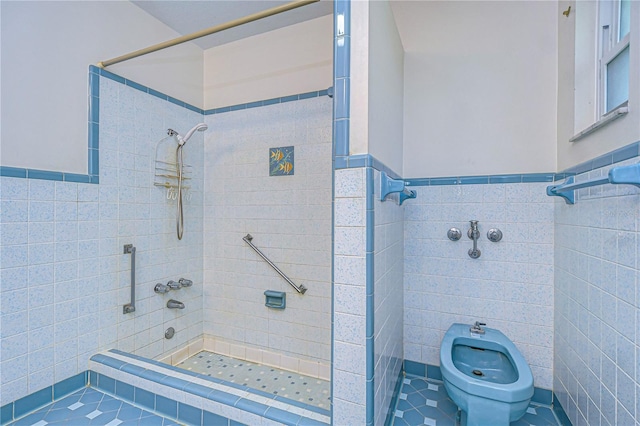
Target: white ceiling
{"x": 186, "y": 16}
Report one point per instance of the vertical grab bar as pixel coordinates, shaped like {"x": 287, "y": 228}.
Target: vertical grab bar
{"x": 131, "y": 307}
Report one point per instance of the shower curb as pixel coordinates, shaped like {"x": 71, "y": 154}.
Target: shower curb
{"x": 156, "y": 382}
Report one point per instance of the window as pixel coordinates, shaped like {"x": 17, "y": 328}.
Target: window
{"x": 614, "y": 19}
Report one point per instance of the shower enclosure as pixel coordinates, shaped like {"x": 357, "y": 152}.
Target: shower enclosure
{"x": 289, "y": 217}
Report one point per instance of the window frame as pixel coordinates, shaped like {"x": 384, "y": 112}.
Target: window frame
{"x": 610, "y": 45}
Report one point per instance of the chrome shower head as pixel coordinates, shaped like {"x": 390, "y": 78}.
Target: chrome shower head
{"x": 198, "y": 127}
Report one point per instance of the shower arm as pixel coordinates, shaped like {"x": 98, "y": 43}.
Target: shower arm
{"x": 208, "y": 31}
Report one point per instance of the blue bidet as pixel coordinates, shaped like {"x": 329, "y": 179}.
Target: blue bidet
{"x": 485, "y": 375}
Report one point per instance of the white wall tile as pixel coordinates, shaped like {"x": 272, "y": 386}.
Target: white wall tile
{"x": 510, "y": 286}
{"x": 599, "y": 364}
{"x": 71, "y": 233}
{"x": 289, "y": 218}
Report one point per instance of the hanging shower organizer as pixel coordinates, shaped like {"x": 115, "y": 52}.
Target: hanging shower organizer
{"x": 166, "y": 173}
{"x": 389, "y": 185}
{"x": 628, "y": 175}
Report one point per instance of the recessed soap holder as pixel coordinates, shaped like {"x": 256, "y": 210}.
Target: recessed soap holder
{"x": 275, "y": 299}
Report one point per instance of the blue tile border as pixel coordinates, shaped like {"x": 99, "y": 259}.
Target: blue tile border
{"x": 342, "y": 161}
{"x": 369, "y": 292}
{"x": 33, "y": 401}
{"x": 624, "y": 153}
{"x": 266, "y": 102}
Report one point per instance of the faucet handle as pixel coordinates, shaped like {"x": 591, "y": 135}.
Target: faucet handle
{"x": 161, "y": 288}
{"x": 174, "y": 285}
{"x": 479, "y": 324}
{"x": 185, "y": 282}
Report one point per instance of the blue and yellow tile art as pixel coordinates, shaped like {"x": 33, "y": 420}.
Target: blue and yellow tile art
{"x": 281, "y": 161}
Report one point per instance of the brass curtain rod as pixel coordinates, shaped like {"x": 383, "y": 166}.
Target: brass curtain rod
{"x": 208, "y": 31}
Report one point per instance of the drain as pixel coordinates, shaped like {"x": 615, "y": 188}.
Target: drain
{"x": 477, "y": 373}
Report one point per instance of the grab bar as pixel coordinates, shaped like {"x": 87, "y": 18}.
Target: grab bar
{"x": 629, "y": 175}
{"x": 131, "y": 307}
{"x": 300, "y": 289}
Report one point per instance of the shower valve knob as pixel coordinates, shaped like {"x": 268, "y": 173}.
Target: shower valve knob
{"x": 494, "y": 235}
{"x": 161, "y": 288}
{"x": 174, "y": 285}
{"x": 454, "y": 234}
{"x": 185, "y": 282}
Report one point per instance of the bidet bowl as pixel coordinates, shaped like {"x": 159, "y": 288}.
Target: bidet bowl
{"x": 485, "y": 376}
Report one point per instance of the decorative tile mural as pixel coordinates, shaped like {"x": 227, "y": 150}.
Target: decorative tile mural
{"x": 281, "y": 161}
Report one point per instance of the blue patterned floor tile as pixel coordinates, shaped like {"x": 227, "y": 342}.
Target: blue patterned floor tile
{"x": 91, "y": 395}
{"x": 85, "y": 409}
{"x": 444, "y": 413}
{"x": 413, "y": 417}
{"x": 434, "y": 395}
{"x": 108, "y": 405}
{"x": 105, "y": 418}
{"x": 417, "y": 400}
{"x": 428, "y": 411}
{"x": 419, "y": 384}
{"x": 404, "y": 405}
{"x": 400, "y": 422}
{"x": 59, "y": 413}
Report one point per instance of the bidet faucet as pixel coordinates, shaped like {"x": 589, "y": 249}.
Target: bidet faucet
{"x": 474, "y": 234}
{"x": 477, "y": 328}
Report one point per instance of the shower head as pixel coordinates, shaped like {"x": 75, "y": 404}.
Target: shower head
{"x": 198, "y": 127}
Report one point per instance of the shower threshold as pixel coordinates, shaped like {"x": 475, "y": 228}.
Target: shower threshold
{"x": 287, "y": 384}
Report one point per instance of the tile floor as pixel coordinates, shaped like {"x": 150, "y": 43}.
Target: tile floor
{"x": 425, "y": 402}
{"x": 290, "y": 385}
{"x": 89, "y": 406}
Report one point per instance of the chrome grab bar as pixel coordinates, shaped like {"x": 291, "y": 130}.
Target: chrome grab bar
{"x": 300, "y": 289}
{"x": 131, "y": 307}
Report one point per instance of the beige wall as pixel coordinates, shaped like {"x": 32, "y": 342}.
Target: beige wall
{"x": 47, "y": 48}
{"x": 287, "y": 61}
{"x": 480, "y": 87}
{"x": 386, "y": 86}
{"x": 577, "y": 86}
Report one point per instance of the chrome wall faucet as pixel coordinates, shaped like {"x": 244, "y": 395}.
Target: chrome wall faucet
{"x": 474, "y": 234}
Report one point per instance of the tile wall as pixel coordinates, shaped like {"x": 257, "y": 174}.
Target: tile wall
{"x": 289, "y": 218}
{"x": 368, "y": 298}
{"x": 510, "y": 287}
{"x": 350, "y": 298}
{"x": 388, "y": 299}
{"x": 63, "y": 272}
{"x": 597, "y": 277}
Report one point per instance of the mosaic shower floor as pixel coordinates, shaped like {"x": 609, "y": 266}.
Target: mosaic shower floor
{"x": 425, "y": 402}
{"x": 284, "y": 383}
{"x": 89, "y": 406}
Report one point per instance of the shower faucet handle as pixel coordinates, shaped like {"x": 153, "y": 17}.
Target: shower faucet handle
{"x": 185, "y": 282}
{"x": 174, "y": 285}
{"x": 161, "y": 288}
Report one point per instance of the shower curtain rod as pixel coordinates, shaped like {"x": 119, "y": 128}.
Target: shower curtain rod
{"x": 208, "y": 31}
